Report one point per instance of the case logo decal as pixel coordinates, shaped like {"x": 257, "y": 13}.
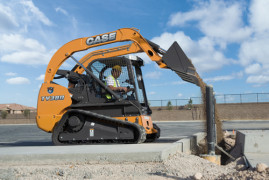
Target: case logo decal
{"x": 50, "y": 90}
{"x": 101, "y": 39}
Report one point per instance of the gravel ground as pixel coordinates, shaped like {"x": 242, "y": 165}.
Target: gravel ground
{"x": 179, "y": 166}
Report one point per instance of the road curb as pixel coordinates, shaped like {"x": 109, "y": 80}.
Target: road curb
{"x": 89, "y": 154}
{"x": 187, "y": 145}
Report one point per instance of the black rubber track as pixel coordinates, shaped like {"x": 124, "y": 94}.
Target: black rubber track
{"x": 140, "y": 134}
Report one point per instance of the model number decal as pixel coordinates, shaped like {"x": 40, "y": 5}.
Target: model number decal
{"x": 52, "y": 98}
{"x": 101, "y": 39}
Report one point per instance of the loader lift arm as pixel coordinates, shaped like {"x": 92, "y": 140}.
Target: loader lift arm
{"x": 174, "y": 59}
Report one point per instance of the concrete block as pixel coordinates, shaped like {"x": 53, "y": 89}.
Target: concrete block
{"x": 253, "y": 141}
{"x": 190, "y": 145}
{"x": 253, "y": 144}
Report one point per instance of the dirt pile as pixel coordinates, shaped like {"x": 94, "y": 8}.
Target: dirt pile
{"x": 178, "y": 166}
{"x": 246, "y": 174}
{"x": 229, "y": 140}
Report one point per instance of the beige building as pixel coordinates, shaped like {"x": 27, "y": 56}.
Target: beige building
{"x": 15, "y": 108}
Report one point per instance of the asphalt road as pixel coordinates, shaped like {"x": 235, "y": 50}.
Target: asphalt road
{"x": 30, "y": 135}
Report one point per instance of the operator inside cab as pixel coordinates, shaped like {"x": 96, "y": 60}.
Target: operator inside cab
{"x": 113, "y": 83}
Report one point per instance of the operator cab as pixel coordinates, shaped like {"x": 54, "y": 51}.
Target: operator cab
{"x": 130, "y": 77}
{"x": 102, "y": 68}
{"x": 89, "y": 90}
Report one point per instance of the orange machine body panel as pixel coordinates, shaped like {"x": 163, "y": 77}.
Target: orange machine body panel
{"x": 53, "y": 99}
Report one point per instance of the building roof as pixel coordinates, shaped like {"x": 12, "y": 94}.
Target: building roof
{"x": 14, "y": 106}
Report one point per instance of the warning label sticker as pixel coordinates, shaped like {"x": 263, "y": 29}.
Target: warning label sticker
{"x": 91, "y": 132}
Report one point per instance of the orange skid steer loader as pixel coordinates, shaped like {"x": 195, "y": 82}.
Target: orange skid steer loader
{"x": 89, "y": 111}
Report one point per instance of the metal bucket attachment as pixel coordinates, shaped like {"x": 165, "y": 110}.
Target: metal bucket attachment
{"x": 177, "y": 60}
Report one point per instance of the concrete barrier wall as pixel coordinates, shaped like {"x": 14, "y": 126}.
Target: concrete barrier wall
{"x": 20, "y": 116}
{"x": 225, "y": 111}
{"x": 243, "y": 111}
{"x": 17, "y": 121}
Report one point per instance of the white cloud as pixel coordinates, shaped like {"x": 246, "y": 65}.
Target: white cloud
{"x": 179, "y": 95}
{"x": 19, "y": 50}
{"x": 7, "y": 18}
{"x": 37, "y": 88}
{"x": 169, "y": 83}
{"x": 258, "y": 79}
{"x": 21, "y": 17}
{"x": 59, "y": 9}
{"x": 219, "y": 20}
{"x": 72, "y": 19}
{"x": 253, "y": 52}
{"x": 203, "y": 54}
{"x": 67, "y": 65}
{"x": 230, "y": 99}
{"x": 25, "y": 18}
{"x": 160, "y": 84}
{"x": 259, "y": 15}
{"x": 223, "y": 23}
{"x": 153, "y": 75}
{"x": 16, "y": 42}
{"x": 74, "y": 24}
{"x": 152, "y": 93}
{"x": 18, "y": 80}
{"x": 225, "y": 78}
{"x": 144, "y": 57}
{"x": 253, "y": 69}
{"x": 41, "y": 77}
{"x": 219, "y": 78}
{"x": 36, "y": 13}
{"x": 27, "y": 57}
{"x": 178, "y": 82}
{"x": 10, "y": 74}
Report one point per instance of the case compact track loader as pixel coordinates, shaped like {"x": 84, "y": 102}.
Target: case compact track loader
{"x": 82, "y": 113}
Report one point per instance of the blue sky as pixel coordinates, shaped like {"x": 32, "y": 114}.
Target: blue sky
{"x": 228, "y": 41}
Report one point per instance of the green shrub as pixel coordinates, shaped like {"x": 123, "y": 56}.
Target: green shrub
{"x": 26, "y": 113}
{"x": 169, "y": 105}
{"x": 190, "y": 104}
{"x": 4, "y": 114}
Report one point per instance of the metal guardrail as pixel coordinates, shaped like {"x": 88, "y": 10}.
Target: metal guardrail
{"x": 220, "y": 99}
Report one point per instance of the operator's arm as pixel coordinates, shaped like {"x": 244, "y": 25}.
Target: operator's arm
{"x": 118, "y": 88}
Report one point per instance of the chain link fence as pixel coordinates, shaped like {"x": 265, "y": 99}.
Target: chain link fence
{"x": 220, "y": 99}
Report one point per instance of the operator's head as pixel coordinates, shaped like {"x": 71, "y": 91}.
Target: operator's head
{"x": 116, "y": 71}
